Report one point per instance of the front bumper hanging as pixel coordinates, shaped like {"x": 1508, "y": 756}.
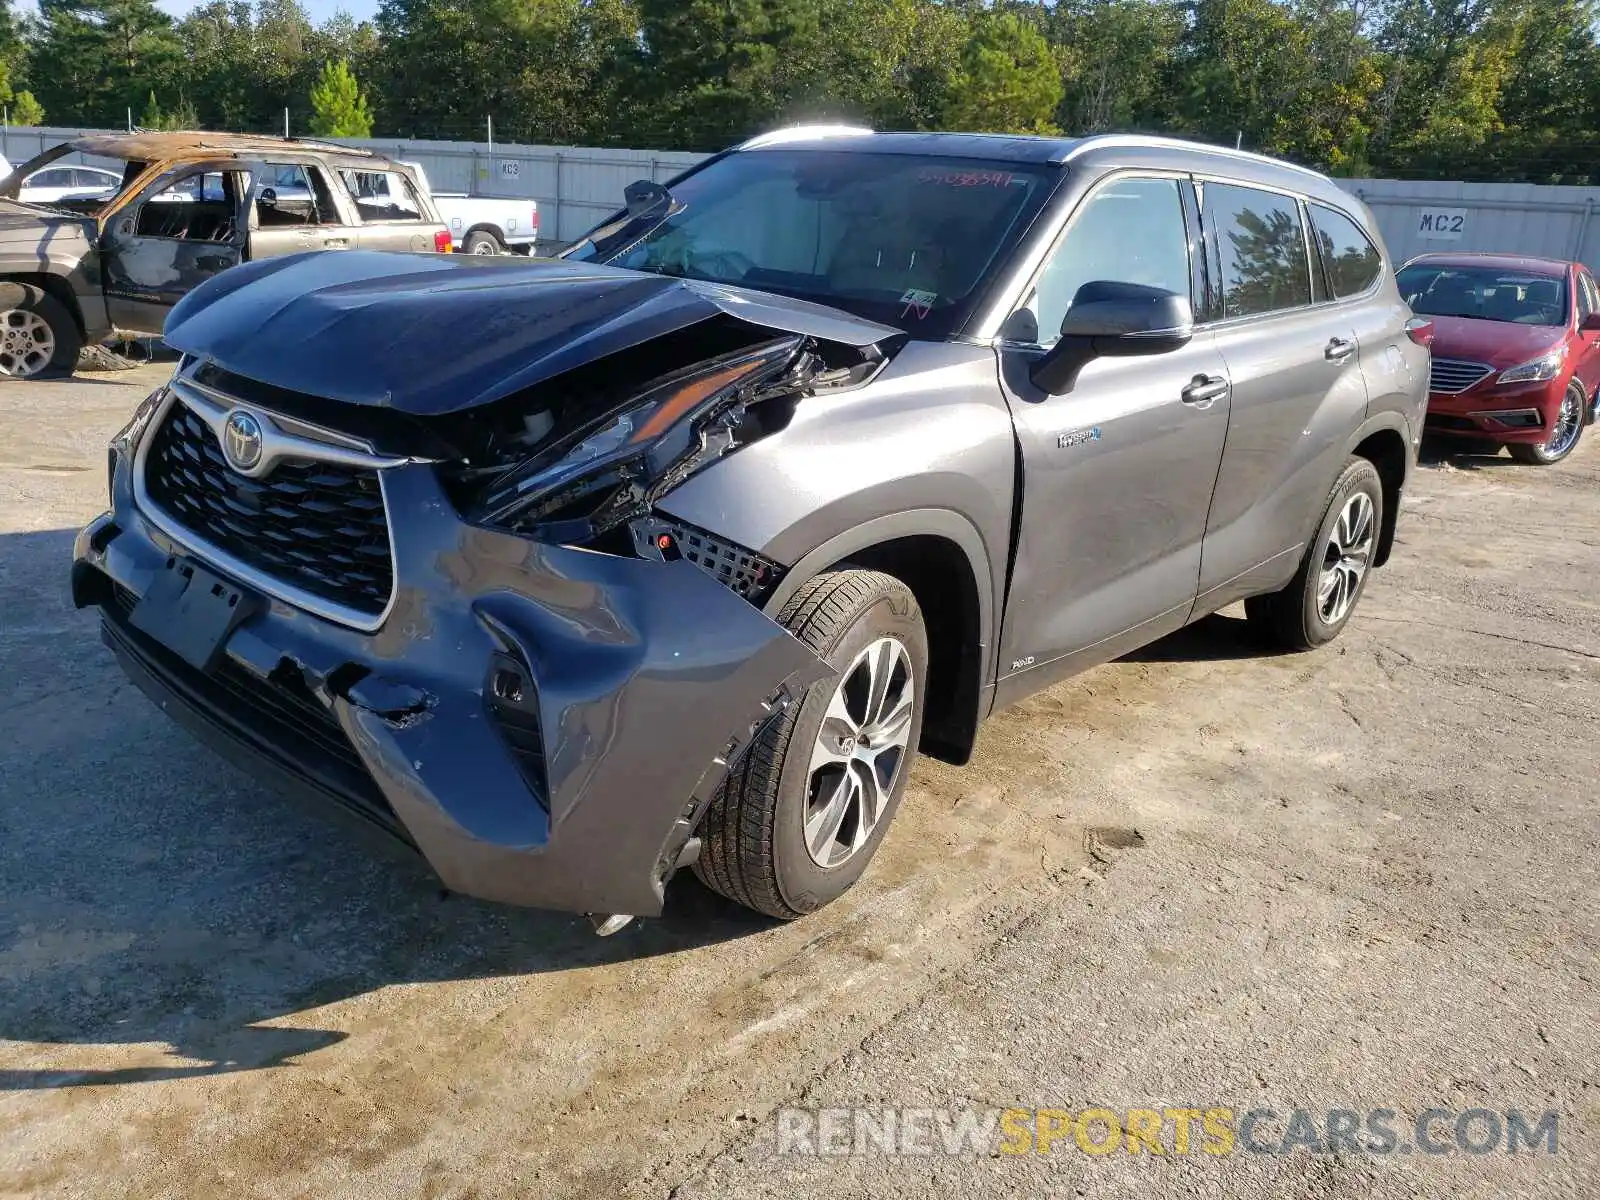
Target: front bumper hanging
{"x": 544, "y": 725}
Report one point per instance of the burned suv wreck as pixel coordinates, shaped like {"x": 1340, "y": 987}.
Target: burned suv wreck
{"x": 806, "y": 462}
{"x": 113, "y": 258}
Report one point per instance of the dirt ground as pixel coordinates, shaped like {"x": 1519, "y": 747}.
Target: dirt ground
{"x": 1364, "y": 877}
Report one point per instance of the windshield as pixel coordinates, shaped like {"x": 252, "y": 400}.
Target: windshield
{"x": 906, "y": 240}
{"x": 1485, "y": 294}
{"x": 63, "y": 178}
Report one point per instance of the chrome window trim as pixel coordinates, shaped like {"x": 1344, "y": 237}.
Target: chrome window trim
{"x": 202, "y": 401}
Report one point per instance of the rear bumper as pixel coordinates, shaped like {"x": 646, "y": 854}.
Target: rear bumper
{"x": 544, "y": 725}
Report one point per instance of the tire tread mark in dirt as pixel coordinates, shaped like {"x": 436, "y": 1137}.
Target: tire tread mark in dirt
{"x": 1504, "y": 637}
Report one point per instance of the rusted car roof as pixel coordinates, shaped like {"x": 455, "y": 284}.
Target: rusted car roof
{"x": 150, "y": 146}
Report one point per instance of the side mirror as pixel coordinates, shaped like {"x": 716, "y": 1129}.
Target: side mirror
{"x": 642, "y": 196}
{"x": 1591, "y": 323}
{"x": 1110, "y": 319}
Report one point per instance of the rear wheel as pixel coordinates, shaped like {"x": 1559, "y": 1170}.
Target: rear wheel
{"x": 481, "y": 241}
{"x": 38, "y": 336}
{"x": 1564, "y": 433}
{"x": 1320, "y": 598}
{"x": 803, "y": 812}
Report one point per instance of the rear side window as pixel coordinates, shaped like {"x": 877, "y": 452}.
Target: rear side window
{"x": 292, "y": 194}
{"x": 1349, "y": 258}
{"x": 382, "y": 195}
{"x": 1263, "y": 249}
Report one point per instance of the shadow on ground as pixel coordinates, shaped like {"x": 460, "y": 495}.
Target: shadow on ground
{"x": 153, "y": 894}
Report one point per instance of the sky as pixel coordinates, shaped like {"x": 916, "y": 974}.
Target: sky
{"x": 320, "y": 10}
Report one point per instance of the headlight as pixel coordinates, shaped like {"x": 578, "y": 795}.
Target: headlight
{"x": 591, "y": 480}
{"x": 127, "y": 438}
{"x": 130, "y": 433}
{"x": 1546, "y": 366}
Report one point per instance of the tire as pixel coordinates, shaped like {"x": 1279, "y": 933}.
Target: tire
{"x": 482, "y": 241}
{"x": 1301, "y": 617}
{"x": 38, "y": 337}
{"x": 1571, "y": 417}
{"x": 754, "y": 837}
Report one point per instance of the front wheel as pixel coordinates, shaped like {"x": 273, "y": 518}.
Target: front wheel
{"x": 1564, "y": 433}
{"x": 1320, "y": 598}
{"x": 38, "y": 336}
{"x": 803, "y": 812}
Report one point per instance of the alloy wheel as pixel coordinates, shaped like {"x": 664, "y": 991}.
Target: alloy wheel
{"x": 860, "y": 751}
{"x": 1345, "y": 559}
{"x": 1569, "y": 420}
{"x": 27, "y": 343}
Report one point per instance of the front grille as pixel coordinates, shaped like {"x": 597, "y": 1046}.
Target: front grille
{"x": 1451, "y": 375}
{"x": 314, "y": 526}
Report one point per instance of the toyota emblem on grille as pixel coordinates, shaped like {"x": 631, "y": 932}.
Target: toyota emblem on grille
{"x": 241, "y": 440}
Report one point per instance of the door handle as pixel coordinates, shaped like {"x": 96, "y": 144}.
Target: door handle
{"x": 1338, "y": 349}
{"x": 336, "y": 243}
{"x": 1203, "y": 389}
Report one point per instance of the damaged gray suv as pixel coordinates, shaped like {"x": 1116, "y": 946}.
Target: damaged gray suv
{"x": 801, "y": 464}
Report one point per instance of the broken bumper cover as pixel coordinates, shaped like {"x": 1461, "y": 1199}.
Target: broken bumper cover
{"x": 544, "y": 724}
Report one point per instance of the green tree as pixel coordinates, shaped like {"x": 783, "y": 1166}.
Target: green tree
{"x": 711, "y": 71}
{"x": 13, "y": 52}
{"x": 1010, "y": 80}
{"x": 92, "y": 62}
{"x": 338, "y": 108}
{"x": 545, "y": 70}
{"x": 1122, "y": 56}
{"x": 220, "y": 68}
{"x": 25, "y": 110}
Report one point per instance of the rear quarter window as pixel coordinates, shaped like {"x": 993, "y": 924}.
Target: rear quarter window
{"x": 1349, "y": 259}
{"x": 382, "y": 195}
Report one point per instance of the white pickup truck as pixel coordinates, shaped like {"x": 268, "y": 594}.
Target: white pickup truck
{"x": 486, "y": 224}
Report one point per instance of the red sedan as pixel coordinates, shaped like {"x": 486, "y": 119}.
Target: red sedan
{"x": 1516, "y": 349}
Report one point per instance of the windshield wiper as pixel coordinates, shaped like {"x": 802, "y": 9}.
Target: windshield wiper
{"x": 647, "y": 205}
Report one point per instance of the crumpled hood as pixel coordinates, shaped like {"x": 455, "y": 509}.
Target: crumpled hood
{"x": 426, "y": 334}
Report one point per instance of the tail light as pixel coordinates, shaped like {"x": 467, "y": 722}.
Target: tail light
{"x": 535, "y": 218}
{"x": 441, "y": 241}
{"x": 1420, "y": 331}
